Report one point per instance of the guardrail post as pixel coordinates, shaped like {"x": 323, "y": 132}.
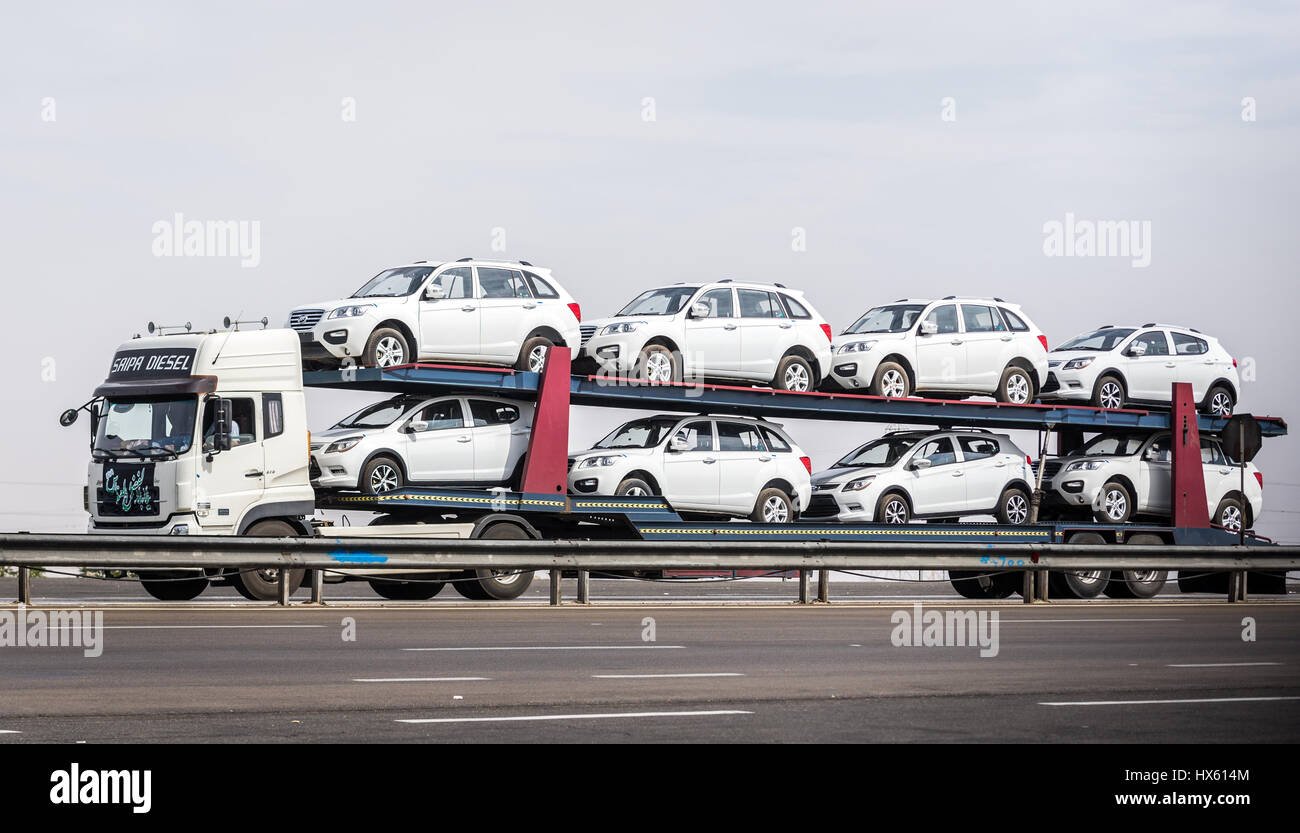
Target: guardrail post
{"x": 1042, "y": 594}
{"x": 1237, "y": 586}
{"x": 24, "y": 586}
{"x": 282, "y": 586}
{"x": 805, "y": 594}
{"x": 556, "y": 598}
{"x": 824, "y": 586}
{"x": 584, "y": 587}
{"x": 318, "y": 587}
{"x": 1028, "y": 586}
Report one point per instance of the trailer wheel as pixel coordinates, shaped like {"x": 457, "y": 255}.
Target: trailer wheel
{"x": 406, "y": 591}
{"x": 1013, "y": 506}
{"x": 171, "y": 587}
{"x": 1138, "y": 584}
{"x": 263, "y": 585}
{"x": 1080, "y": 584}
{"x": 499, "y": 585}
{"x": 1116, "y": 505}
{"x": 1200, "y": 582}
{"x": 975, "y": 585}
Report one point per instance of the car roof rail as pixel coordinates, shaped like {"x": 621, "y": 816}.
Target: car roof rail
{"x": 464, "y": 260}
{"x": 524, "y": 263}
{"x": 950, "y": 297}
{"x": 419, "y": 261}
{"x": 725, "y": 280}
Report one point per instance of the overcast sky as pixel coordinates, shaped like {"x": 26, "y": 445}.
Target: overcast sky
{"x": 534, "y": 119}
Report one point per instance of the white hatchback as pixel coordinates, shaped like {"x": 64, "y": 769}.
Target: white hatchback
{"x": 726, "y": 330}
{"x": 952, "y": 347}
{"x": 700, "y": 464}
{"x": 476, "y": 311}
{"x": 471, "y": 441}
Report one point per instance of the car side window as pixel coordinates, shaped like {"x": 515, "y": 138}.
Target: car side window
{"x": 938, "y": 451}
{"x": 456, "y": 283}
{"x": 796, "y": 309}
{"x": 502, "y": 283}
{"x": 1157, "y": 344}
{"x": 541, "y": 289}
{"x": 755, "y": 303}
{"x": 980, "y": 319}
{"x": 775, "y": 442}
{"x": 977, "y": 448}
{"x": 945, "y": 318}
{"x": 1158, "y": 452}
{"x": 442, "y": 415}
{"x": 720, "y": 303}
{"x": 1185, "y": 345}
{"x": 1212, "y": 454}
{"x": 1015, "y": 322}
{"x": 698, "y": 435}
{"x": 484, "y": 412}
{"x": 735, "y": 436}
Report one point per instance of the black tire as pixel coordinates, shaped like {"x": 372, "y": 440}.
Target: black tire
{"x": 1138, "y": 584}
{"x": 498, "y": 585}
{"x": 380, "y": 476}
{"x": 1013, "y": 506}
{"x": 773, "y": 506}
{"x": 1080, "y": 584}
{"x": 532, "y": 356}
{"x": 975, "y": 585}
{"x": 794, "y": 373}
{"x": 172, "y": 587}
{"x": 406, "y": 591}
{"x": 1198, "y": 581}
{"x": 891, "y": 376}
{"x": 1116, "y": 504}
{"x": 386, "y": 347}
{"x": 1219, "y": 402}
{"x": 635, "y": 487}
{"x": 1109, "y": 392}
{"x": 1016, "y": 386}
{"x": 892, "y": 508}
{"x": 658, "y": 365}
{"x": 1230, "y": 514}
{"x": 264, "y": 585}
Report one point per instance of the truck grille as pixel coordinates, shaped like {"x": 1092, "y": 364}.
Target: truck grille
{"x": 822, "y": 506}
{"x": 588, "y": 330}
{"x": 303, "y": 320}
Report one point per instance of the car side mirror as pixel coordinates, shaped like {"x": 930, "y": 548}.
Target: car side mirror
{"x": 222, "y": 419}
{"x": 1137, "y": 349}
{"x": 929, "y": 328}
{"x": 434, "y": 292}
{"x": 507, "y": 415}
{"x": 699, "y": 309}
{"x": 921, "y": 463}
{"x": 417, "y": 426}
{"x": 677, "y": 445}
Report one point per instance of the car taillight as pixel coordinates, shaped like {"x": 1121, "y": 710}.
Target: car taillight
{"x": 1029, "y": 461}
{"x": 1259, "y": 476}
{"x": 826, "y": 328}
{"x": 576, "y": 309}
{"x": 1042, "y": 339}
{"x": 1234, "y": 363}
{"x": 807, "y": 463}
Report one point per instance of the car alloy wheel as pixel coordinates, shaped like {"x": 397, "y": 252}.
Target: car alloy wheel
{"x": 775, "y": 511}
{"x": 893, "y": 384}
{"x": 1230, "y": 518}
{"x": 1018, "y": 389}
{"x": 1115, "y": 505}
{"x": 537, "y": 358}
{"x": 1112, "y": 395}
{"x": 384, "y": 478}
{"x": 796, "y": 378}
{"x": 636, "y": 491}
{"x": 1017, "y": 509}
{"x": 659, "y": 367}
{"x": 1221, "y": 405}
{"x": 390, "y": 352}
{"x": 895, "y": 512}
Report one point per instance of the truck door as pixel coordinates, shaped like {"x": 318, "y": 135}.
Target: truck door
{"x": 235, "y": 480}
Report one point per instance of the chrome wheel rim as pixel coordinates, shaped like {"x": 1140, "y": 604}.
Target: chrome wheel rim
{"x": 659, "y": 367}
{"x": 895, "y": 512}
{"x": 636, "y": 491}
{"x": 1116, "y": 506}
{"x": 1089, "y": 577}
{"x": 1221, "y": 404}
{"x": 1230, "y": 518}
{"x": 1145, "y": 576}
{"x": 1111, "y": 396}
{"x": 390, "y": 352}
{"x": 1017, "y": 509}
{"x": 796, "y": 378}
{"x": 1018, "y": 389}
{"x": 775, "y": 511}
{"x": 537, "y": 358}
{"x": 893, "y": 384}
{"x": 506, "y": 577}
{"x": 383, "y": 479}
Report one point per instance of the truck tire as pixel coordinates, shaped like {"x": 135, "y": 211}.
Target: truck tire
{"x": 772, "y": 507}
{"x": 1116, "y": 504}
{"x": 532, "y": 356}
{"x": 406, "y": 591}
{"x": 381, "y": 475}
{"x": 386, "y": 347}
{"x": 1080, "y": 584}
{"x": 1138, "y": 584}
{"x": 1016, "y": 386}
{"x": 975, "y": 585}
{"x": 794, "y": 374}
{"x": 1013, "y": 506}
{"x": 172, "y": 587}
{"x": 498, "y": 585}
{"x": 263, "y": 585}
{"x": 891, "y": 380}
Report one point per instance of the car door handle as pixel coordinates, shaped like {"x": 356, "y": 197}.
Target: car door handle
{"x": 708, "y": 461}
{"x": 1211, "y": 361}
{"x": 253, "y": 474}
{"x": 1000, "y": 464}
{"x": 957, "y": 341}
{"x": 958, "y": 474}
{"x": 728, "y": 326}
{"x": 468, "y": 309}
{"x": 764, "y": 459}
{"x": 786, "y": 325}
{"x": 530, "y": 306}
{"x": 1225, "y": 471}
{"x": 1006, "y": 338}
{"x": 463, "y": 439}
{"x": 1171, "y": 364}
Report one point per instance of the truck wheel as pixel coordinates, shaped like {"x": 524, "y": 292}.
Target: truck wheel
{"x": 658, "y": 364}
{"x": 1138, "y": 584}
{"x": 1080, "y": 584}
{"x": 1109, "y": 393}
{"x": 172, "y": 587}
{"x": 891, "y": 380}
{"x": 1013, "y": 506}
{"x": 1219, "y": 402}
{"x": 380, "y": 475}
{"x": 1197, "y": 581}
{"x": 772, "y": 507}
{"x": 975, "y": 585}
{"x": 1016, "y": 386}
{"x": 794, "y": 373}
{"x": 892, "y": 509}
{"x": 532, "y": 357}
{"x": 386, "y": 347}
{"x": 406, "y": 591}
{"x": 1229, "y": 515}
{"x": 500, "y": 585}
{"x": 1116, "y": 504}
{"x": 264, "y": 585}
{"x": 634, "y": 487}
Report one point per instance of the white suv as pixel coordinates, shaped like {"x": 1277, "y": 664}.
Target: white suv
{"x": 445, "y": 441}
{"x": 1112, "y": 366}
{"x": 478, "y": 311}
{"x": 701, "y": 464}
{"x": 1119, "y": 476}
{"x": 761, "y": 334}
{"x": 952, "y": 347}
{"x": 926, "y": 474}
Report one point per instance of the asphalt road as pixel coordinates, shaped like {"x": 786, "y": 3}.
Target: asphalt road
{"x": 1170, "y": 671}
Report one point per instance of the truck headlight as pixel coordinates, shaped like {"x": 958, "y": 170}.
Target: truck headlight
{"x": 621, "y": 327}
{"x": 859, "y": 484}
{"x": 857, "y": 347}
{"x": 600, "y": 461}
{"x": 352, "y": 311}
{"x": 1078, "y": 364}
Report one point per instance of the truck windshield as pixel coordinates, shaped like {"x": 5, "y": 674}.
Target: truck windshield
{"x": 641, "y": 433}
{"x": 146, "y": 427}
{"x": 666, "y": 301}
{"x": 896, "y": 318}
{"x": 877, "y": 453}
{"x": 379, "y": 415}
{"x": 395, "y": 283}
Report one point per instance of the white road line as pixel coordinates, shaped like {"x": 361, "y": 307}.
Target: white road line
{"x": 661, "y": 676}
{"x": 554, "y": 648}
{"x": 1219, "y": 664}
{"x": 1167, "y": 702}
{"x": 420, "y": 679}
{"x": 534, "y": 717}
{"x": 10, "y": 732}
{"x": 207, "y": 627}
{"x": 1078, "y": 621}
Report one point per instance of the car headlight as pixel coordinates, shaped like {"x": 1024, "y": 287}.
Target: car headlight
{"x": 352, "y": 311}
{"x": 342, "y": 445}
{"x": 859, "y": 484}
{"x": 857, "y": 347}
{"x": 600, "y": 461}
{"x": 1078, "y": 364}
{"x": 1087, "y": 465}
{"x": 621, "y": 327}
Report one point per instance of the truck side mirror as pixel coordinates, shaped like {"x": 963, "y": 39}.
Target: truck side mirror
{"x": 434, "y": 292}
{"x": 222, "y": 419}
{"x": 68, "y": 417}
{"x": 929, "y": 327}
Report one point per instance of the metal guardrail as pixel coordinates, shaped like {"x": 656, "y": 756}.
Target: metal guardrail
{"x": 325, "y": 553}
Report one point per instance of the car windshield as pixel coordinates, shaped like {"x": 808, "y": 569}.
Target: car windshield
{"x": 379, "y": 415}
{"x": 1113, "y": 445}
{"x": 394, "y": 283}
{"x": 877, "y": 453}
{"x": 146, "y": 427}
{"x": 641, "y": 433}
{"x": 1099, "y": 340}
{"x": 895, "y": 318}
{"x": 667, "y": 301}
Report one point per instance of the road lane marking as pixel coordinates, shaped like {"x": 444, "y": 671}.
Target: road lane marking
{"x": 604, "y": 716}
{"x": 1168, "y": 702}
{"x": 420, "y": 679}
{"x": 1219, "y": 664}
{"x": 661, "y": 676}
{"x": 554, "y": 648}
{"x": 1079, "y": 621}
{"x": 10, "y": 732}
{"x": 206, "y": 627}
